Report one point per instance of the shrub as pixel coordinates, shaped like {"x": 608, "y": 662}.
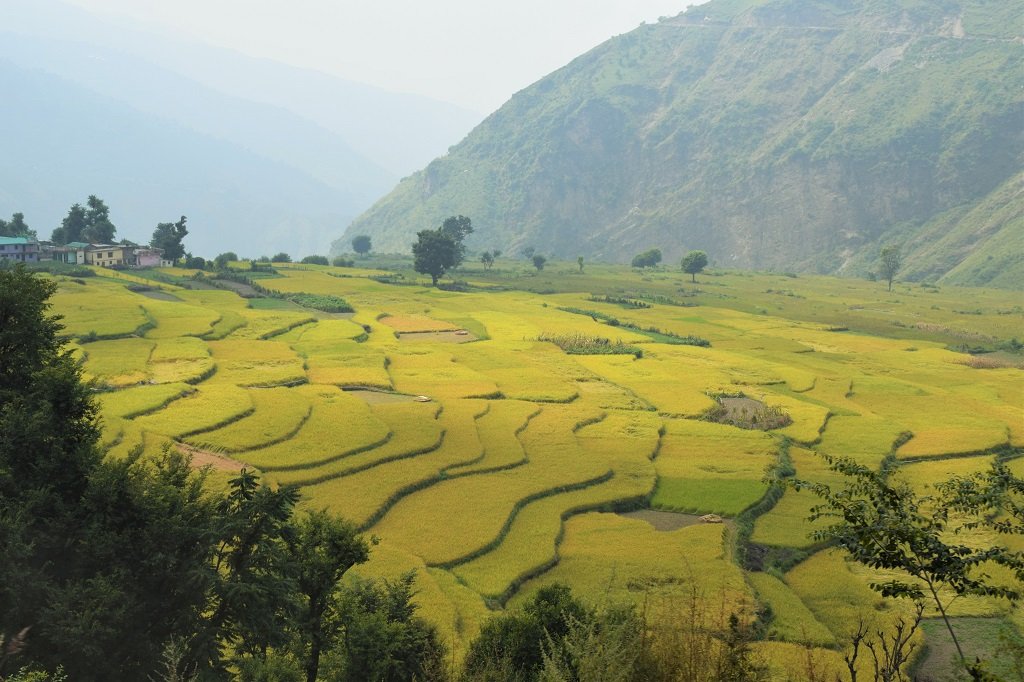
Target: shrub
{"x": 280, "y": 258}
{"x": 315, "y": 260}
{"x": 581, "y": 344}
{"x": 342, "y": 262}
{"x": 324, "y": 302}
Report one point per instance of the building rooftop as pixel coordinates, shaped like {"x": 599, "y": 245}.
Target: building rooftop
{"x": 17, "y": 240}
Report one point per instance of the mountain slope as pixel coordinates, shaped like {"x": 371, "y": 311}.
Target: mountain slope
{"x": 795, "y": 134}
{"x": 63, "y": 142}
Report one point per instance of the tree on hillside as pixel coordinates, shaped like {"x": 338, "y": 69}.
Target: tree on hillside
{"x": 434, "y": 254}
{"x": 693, "y": 263}
{"x": 539, "y": 261}
{"x": 647, "y": 259}
{"x": 528, "y": 252}
{"x": 362, "y": 244}
{"x": 16, "y": 227}
{"x": 579, "y": 262}
{"x": 71, "y": 227}
{"x": 315, "y": 260}
{"x": 169, "y": 237}
{"x": 889, "y": 262}
{"x": 487, "y": 258}
{"x": 281, "y": 257}
{"x": 222, "y": 259}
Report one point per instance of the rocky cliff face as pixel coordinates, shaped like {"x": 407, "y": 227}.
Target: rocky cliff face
{"x": 785, "y": 134}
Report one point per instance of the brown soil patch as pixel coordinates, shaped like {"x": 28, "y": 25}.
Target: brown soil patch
{"x": 243, "y": 290}
{"x": 159, "y": 295}
{"x": 664, "y": 520}
{"x": 379, "y": 397}
{"x": 737, "y": 408}
{"x": 456, "y": 336}
{"x": 201, "y": 458}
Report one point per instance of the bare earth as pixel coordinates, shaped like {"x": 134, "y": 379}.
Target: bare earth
{"x": 201, "y": 458}
{"x": 443, "y": 337}
{"x": 378, "y": 397}
{"x": 663, "y": 520}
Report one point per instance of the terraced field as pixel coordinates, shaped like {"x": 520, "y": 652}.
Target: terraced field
{"x": 507, "y": 474}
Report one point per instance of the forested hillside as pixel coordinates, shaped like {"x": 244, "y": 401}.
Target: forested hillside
{"x": 781, "y": 134}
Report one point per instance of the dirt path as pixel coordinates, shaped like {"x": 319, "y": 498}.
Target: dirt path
{"x": 201, "y": 458}
{"x": 664, "y": 520}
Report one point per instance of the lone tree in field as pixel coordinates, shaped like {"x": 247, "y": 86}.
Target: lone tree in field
{"x": 362, "y": 244}
{"x": 434, "y": 254}
{"x": 457, "y": 228}
{"x": 647, "y": 259}
{"x": 579, "y": 262}
{"x": 487, "y": 258}
{"x": 890, "y": 259}
{"x": 169, "y": 237}
{"x": 539, "y": 261}
{"x": 694, "y": 262}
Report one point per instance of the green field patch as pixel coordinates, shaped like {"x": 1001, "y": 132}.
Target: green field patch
{"x": 350, "y": 364}
{"x": 339, "y": 424}
{"x": 256, "y": 363}
{"x": 478, "y": 507}
{"x": 266, "y": 324}
{"x": 118, "y": 363}
{"x": 521, "y": 370}
{"x": 278, "y": 414}
{"x": 625, "y": 442}
{"x": 184, "y": 358}
{"x": 414, "y": 431}
{"x": 98, "y": 309}
{"x": 171, "y": 319}
{"x": 786, "y": 524}
{"x": 791, "y": 619}
{"x": 437, "y": 374}
{"x": 498, "y": 432}
{"x": 866, "y": 439}
{"x": 836, "y": 597}
{"x": 136, "y": 401}
{"x": 707, "y": 467}
{"x": 672, "y": 387}
{"x": 611, "y": 559}
{"x": 210, "y": 407}
{"x": 364, "y": 496}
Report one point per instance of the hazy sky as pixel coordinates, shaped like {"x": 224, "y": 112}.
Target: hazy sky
{"x": 475, "y": 53}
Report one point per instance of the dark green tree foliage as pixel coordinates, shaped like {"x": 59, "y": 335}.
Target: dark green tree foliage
{"x": 194, "y": 262}
{"x": 886, "y": 525}
{"x": 322, "y": 550}
{"x": 222, "y": 259}
{"x": 16, "y": 227}
{"x": 528, "y": 252}
{"x": 693, "y": 263}
{"x": 98, "y": 228}
{"x": 281, "y": 258}
{"x": 362, "y": 244}
{"x": 889, "y": 262}
{"x": 435, "y": 253}
{"x": 647, "y": 259}
{"x": 539, "y": 261}
{"x": 170, "y": 237}
{"x": 90, "y": 549}
{"x": 71, "y": 228}
{"x": 458, "y": 227}
{"x": 383, "y": 639}
{"x": 579, "y": 262}
{"x": 316, "y": 260}
{"x": 513, "y": 643}
{"x": 487, "y": 258}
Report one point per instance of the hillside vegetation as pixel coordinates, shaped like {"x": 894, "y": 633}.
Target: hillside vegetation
{"x": 799, "y": 135}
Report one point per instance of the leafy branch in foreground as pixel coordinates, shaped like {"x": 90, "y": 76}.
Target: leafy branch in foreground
{"x": 886, "y": 525}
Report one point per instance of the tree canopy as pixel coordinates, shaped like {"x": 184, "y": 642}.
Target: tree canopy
{"x": 889, "y": 262}
{"x": 362, "y": 244}
{"x": 435, "y": 253}
{"x": 539, "y": 261}
{"x": 16, "y": 227}
{"x": 647, "y": 259}
{"x": 693, "y": 263}
{"x": 170, "y": 237}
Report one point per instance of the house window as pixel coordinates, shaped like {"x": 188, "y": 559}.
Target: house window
{"x": 110, "y": 254}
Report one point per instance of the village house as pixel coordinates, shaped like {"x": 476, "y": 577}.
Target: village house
{"x": 20, "y": 249}
{"x": 72, "y": 253}
{"x": 107, "y": 255}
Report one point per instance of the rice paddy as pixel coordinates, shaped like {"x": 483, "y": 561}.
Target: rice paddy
{"x": 504, "y": 477}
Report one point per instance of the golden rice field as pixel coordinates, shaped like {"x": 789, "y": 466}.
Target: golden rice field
{"x": 513, "y": 472}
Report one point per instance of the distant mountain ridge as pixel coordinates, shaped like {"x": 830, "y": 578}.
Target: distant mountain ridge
{"x": 774, "y": 134}
{"x": 286, "y": 157}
